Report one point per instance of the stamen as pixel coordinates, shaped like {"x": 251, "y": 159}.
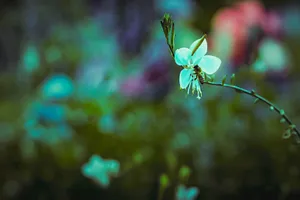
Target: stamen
{"x": 189, "y": 87}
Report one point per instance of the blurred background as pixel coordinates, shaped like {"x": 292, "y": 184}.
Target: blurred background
{"x": 85, "y": 77}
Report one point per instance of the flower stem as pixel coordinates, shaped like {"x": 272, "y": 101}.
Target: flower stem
{"x": 257, "y": 96}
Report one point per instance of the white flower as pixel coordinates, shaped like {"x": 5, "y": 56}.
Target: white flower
{"x": 191, "y": 57}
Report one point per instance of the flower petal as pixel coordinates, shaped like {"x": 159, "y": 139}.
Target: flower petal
{"x": 182, "y": 56}
{"x": 185, "y": 78}
{"x": 200, "y": 52}
{"x": 209, "y": 64}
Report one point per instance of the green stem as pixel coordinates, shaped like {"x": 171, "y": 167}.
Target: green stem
{"x": 257, "y": 96}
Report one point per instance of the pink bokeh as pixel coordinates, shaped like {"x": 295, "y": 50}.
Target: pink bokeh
{"x": 236, "y": 23}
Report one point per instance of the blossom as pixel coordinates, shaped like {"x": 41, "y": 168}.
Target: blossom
{"x": 100, "y": 170}
{"x": 194, "y": 59}
{"x": 184, "y": 193}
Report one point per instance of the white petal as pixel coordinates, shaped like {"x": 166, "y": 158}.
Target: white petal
{"x": 200, "y": 52}
{"x": 183, "y": 56}
{"x": 185, "y": 78}
{"x": 209, "y": 64}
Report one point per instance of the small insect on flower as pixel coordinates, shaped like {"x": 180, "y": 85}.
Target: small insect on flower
{"x": 196, "y": 65}
{"x": 198, "y": 74}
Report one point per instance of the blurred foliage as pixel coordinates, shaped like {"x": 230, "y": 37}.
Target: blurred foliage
{"x": 86, "y": 78}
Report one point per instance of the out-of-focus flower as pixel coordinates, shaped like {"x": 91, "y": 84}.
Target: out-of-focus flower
{"x": 107, "y": 123}
{"x": 184, "y": 193}
{"x": 229, "y": 34}
{"x": 273, "y": 57}
{"x": 157, "y": 80}
{"x": 274, "y": 54}
{"x": 259, "y": 66}
{"x": 177, "y": 8}
{"x": 46, "y": 112}
{"x": 57, "y": 87}
{"x": 237, "y": 30}
{"x": 252, "y": 12}
{"x": 47, "y": 122}
{"x": 132, "y": 86}
{"x": 54, "y": 113}
{"x": 31, "y": 58}
{"x": 273, "y": 24}
{"x": 51, "y": 135}
{"x": 150, "y": 85}
{"x": 100, "y": 68}
{"x": 190, "y": 58}
{"x": 150, "y": 77}
{"x": 101, "y": 170}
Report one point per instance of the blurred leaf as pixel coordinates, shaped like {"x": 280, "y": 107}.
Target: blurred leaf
{"x": 184, "y": 173}
{"x": 164, "y": 181}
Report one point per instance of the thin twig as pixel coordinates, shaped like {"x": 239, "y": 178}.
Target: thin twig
{"x": 257, "y": 96}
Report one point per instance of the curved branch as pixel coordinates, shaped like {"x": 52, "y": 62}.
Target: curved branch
{"x": 257, "y": 96}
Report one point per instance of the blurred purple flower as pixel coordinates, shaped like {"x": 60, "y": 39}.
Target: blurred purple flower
{"x": 273, "y": 25}
{"x": 157, "y": 79}
{"x": 133, "y": 86}
{"x": 153, "y": 84}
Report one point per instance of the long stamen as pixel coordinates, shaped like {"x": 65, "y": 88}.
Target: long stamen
{"x": 189, "y": 87}
{"x": 199, "y": 92}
